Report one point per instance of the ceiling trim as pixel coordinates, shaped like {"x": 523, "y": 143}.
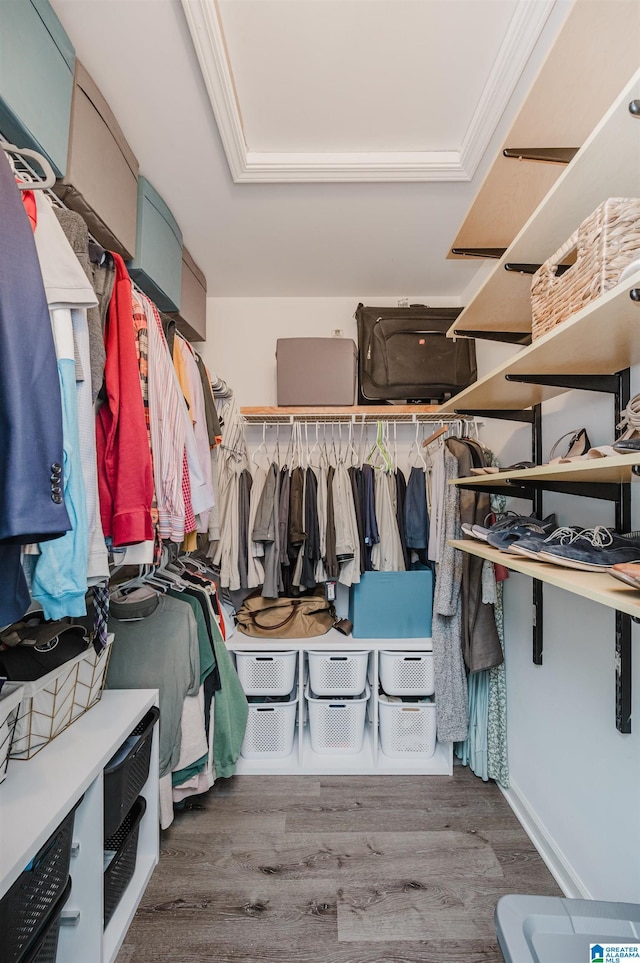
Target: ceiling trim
{"x": 205, "y": 26}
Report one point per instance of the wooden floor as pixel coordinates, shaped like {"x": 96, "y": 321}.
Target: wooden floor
{"x": 336, "y": 869}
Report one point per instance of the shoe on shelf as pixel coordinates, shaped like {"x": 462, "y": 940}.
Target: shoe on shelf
{"x": 628, "y": 447}
{"x": 629, "y": 424}
{"x": 595, "y": 550}
{"x": 577, "y": 446}
{"x": 532, "y": 545}
{"x": 493, "y": 469}
{"x": 523, "y": 527}
{"x": 480, "y": 531}
{"x": 628, "y": 573}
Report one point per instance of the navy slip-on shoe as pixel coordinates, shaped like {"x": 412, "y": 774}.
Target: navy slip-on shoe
{"x": 522, "y": 528}
{"x": 595, "y": 550}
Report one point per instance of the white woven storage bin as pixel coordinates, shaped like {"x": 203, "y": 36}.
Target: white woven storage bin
{"x": 336, "y": 725}
{"x": 10, "y": 698}
{"x": 270, "y": 729}
{"x": 92, "y": 673}
{"x": 407, "y": 673}
{"x": 268, "y": 674}
{"x": 407, "y": 730}
{"x": 338, "y": 673}
{"x": 46, "y": 709}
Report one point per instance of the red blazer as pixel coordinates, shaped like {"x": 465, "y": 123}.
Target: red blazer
{"x": 125, "y": 477}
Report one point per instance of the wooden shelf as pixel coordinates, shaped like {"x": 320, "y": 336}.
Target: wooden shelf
{"x": 596, "y": 586}
{"x": 614, "y": 470}
{"x": 602, "y": 338}
{"x": 607, "y": 165}
{"x": 346, "y": 413}
{"x": 565, "y": 102}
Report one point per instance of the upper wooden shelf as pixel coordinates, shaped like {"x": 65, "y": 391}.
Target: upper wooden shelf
{"x": 602, "y": 338}
{"x": 607, "y": 165}
{"x": 614, "y": 470}
{"x": 566, "y": 100}
{"x": 596, "y": 586}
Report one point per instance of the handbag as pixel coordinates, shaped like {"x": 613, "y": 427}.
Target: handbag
{"x": 286, "y": 618}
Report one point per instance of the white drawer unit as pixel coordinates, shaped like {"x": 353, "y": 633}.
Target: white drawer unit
{"x": 326, "y": 739}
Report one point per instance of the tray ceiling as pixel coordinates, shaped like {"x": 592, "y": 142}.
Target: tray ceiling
{"x": 360, "y": 90}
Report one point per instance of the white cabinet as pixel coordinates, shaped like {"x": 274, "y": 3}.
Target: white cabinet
{"x": 370, "y": 760}
{"x": 38, "y": 794}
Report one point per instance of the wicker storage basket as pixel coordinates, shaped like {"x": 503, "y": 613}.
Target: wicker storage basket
{"x": 605, "y": 243}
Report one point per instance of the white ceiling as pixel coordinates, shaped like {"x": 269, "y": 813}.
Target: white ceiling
{"x": 320, "y": 79}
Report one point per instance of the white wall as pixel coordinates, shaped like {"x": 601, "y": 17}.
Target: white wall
{"x": 242, "y": 335}
{"x": 575, "y": 778}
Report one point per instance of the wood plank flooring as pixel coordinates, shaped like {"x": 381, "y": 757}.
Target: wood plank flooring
{"x": 336, "y": 869}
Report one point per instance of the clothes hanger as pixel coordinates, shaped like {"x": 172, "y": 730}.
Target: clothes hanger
{"x": 379, "y": 450}
{"x": 418, "y": 450}
{"x": 43, "y": 163}
{"x": 434, "y": 437}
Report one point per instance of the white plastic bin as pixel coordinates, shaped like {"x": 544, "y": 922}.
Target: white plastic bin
{"x": 338, "y": 673}
{"x": 407, "y": 673}
{"x": 407, "y": 729}
{"x": 270, "y": 729}
{"x": 10, "y": 698}
{"x": 336, "y": 725}
{"x": 268, "y": 673}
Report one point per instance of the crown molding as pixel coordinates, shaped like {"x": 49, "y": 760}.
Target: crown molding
{"x": 251, "y": 167}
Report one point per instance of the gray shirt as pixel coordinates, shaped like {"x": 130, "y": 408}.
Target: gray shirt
{"x": 159, "y": 650}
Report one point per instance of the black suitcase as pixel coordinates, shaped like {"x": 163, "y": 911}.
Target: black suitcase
{"x": 404, "y": 355}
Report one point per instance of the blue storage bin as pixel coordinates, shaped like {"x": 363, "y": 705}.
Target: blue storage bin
{"x": 392, "y": 605}
{"x": 37, "y": 61}
{"x": 157, "y": 266}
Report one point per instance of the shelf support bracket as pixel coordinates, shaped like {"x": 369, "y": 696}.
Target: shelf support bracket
{"x": 537, "y": 511}
{"x": 582, "y": 382}
{"x": 504, "y": 414}
{"x": 489, "y": 252}
{"x": 508, "y": 337}
{"x": 552, "y": 155}
{"x": 623, "y": 672}
{"x": 514, "y": 490}
{"x": 518, "y": 268}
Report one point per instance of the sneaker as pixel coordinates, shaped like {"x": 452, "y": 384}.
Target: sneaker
{"x": 534, "y": 544}
{"x": 480, "y": 531}
{"x": 595, "y": 550}
{"x": 524, "y": 527}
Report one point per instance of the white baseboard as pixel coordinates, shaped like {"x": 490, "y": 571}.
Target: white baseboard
{"x": 557, "y": 863}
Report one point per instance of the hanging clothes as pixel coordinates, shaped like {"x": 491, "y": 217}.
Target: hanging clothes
{"x": 331, "y": 559}
{"x": 416, "y": 516}
{"x": 266, "y": 530}
{"x": 124, "y": 465}
{"x": 245, "y": 482}
{"x": 480, "y": 643}
{"x": 84, "y": 321}
{"x": 60, "y": 569}
{"x": 30, "y": 434}
{"x": 255, "y": 550}
{"x": 346, "y": 527}
{"x": 452, "y": 705}
{"x": 401, "y": 498}
{"x": 386, "y": 555}
{"x": 368, "y": 508}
